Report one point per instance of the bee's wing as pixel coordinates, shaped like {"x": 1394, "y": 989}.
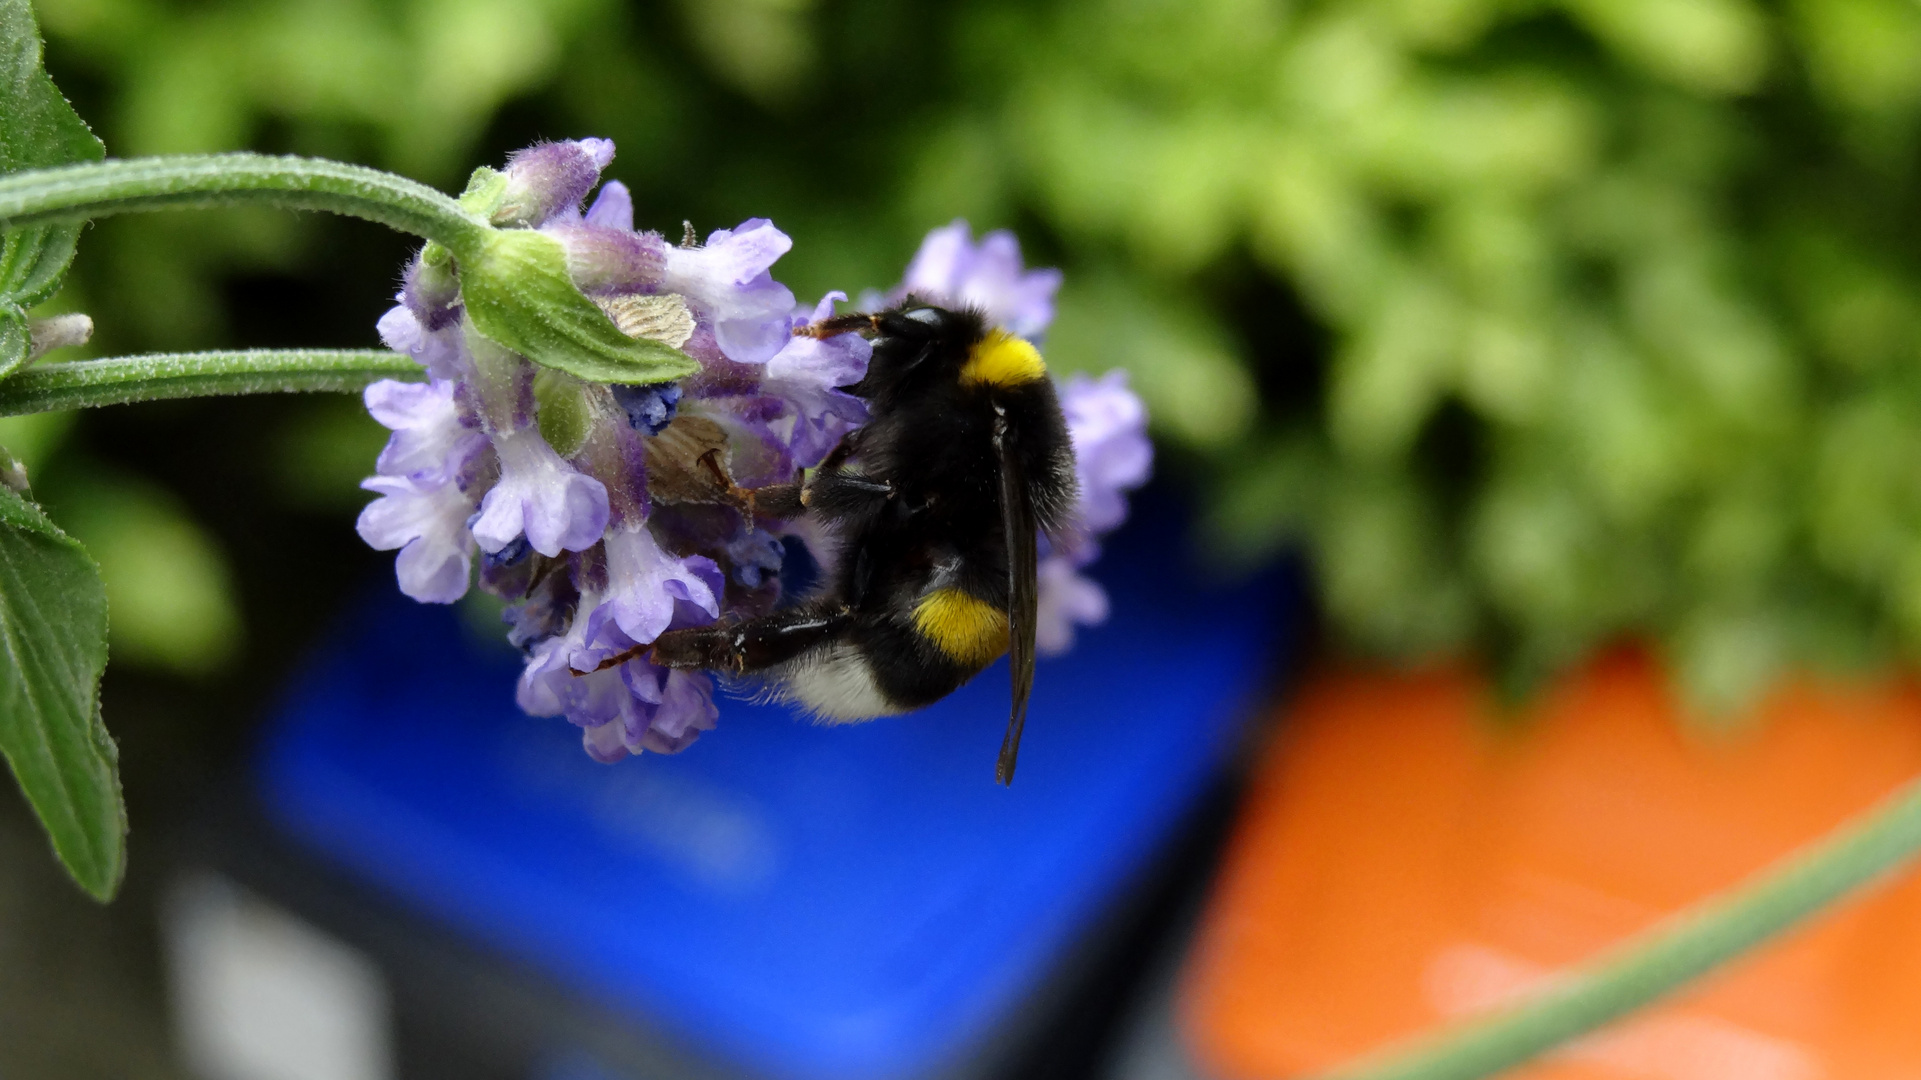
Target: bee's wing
{"x": 1023, "y": 587}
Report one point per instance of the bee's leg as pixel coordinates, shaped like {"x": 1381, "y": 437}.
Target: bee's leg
{"x": 756, "y": 643}
{"x": 781, "y": 502}
{"x": 778, "y": 501}
{"x": 851, "y": 323}
{"x": 848, "y": 446}
{"x": 845, "y": 495}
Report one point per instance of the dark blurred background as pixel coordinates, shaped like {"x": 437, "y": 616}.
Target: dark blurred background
{"x": 1534, "y": 324}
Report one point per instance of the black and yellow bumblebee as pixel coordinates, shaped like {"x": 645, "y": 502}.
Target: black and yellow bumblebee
{"x": 936, "y": 504}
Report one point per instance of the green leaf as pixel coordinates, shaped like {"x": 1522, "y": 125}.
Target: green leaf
{"x": 16, "y": 338}
{"x": 38, "y": 130}
{"x": 517, "y": 290}
{"x": 53, "y": 642}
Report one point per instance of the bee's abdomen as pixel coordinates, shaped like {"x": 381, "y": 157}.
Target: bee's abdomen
{"x": 966, "y": 629}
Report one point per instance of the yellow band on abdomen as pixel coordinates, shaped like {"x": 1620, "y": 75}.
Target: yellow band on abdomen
{"x": 966, "y": 628}
{"x": 1002, "y": 359}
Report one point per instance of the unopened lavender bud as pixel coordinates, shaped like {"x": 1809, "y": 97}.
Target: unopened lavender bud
{"x": 550, "y": 179}
{"x": 430, "y": 290}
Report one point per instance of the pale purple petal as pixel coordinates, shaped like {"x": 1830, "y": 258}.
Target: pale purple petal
{"x": 950, "y": 269}
{"x": 554, "y": 505}
{"x": 1108, "y": 424}
{"x": 686, "y": 709}
{"x": 439, "y": 351}
{"x": 613, "y": 208}
{"x": 603, "y": 744}
{"x": 429, "y": 439}
{"x": 945, "y": 256}
{"x": 805, "y": 373}
{"x": 646, "y": 586}
{"x": 728, "y": 281}
{"x": 1066, "y": 599}
{"x": 428, "y": 523}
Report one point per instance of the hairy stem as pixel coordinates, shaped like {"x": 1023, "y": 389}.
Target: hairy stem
{"x": 79, "y": 192}
{"x": 1667, "y": 957}
{"x": 124, "y": 379}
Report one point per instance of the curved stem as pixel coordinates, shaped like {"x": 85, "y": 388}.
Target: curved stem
{"x": 90, "y": 383}
{"x": 1666, "y": 957}
{"x": 79, "y": 192}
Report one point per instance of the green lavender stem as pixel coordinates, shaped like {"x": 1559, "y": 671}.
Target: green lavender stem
{"x": 80, "y": 192}
{"x": 124, "y": 379}
{"x": 1667, "y": 957}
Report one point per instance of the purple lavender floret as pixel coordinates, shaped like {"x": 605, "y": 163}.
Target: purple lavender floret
{"x": 440, "y": 351}
{"x": 953, "y": 271}
{"x": 807, "y": 373}
{"x": 649, "y": 590}
{"x": 540, "y": 496}
{"x": 430, "y": 437}
{"x": 427, "y": 521}
{"x": 624, "y": 709}
{"x": 594, "y": 564}
{"x": 726, "y": 281}
{"x": 1108, "y": 425}
{"x": 425, "y": 477}
{"x": 1112, "y": 455}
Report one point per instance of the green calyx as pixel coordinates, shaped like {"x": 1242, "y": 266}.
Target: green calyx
{"x": 519, "y": 295}
{"x": 485, "y": 190}
{"x": 565, "y": 416}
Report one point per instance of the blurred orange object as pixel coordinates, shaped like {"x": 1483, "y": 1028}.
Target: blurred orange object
{"x": 1405, "y": 859}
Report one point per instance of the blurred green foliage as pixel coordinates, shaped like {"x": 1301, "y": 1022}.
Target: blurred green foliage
{"x": 1537, "y": 323}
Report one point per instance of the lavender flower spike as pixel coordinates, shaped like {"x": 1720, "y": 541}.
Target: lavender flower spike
{"x": 952, "y": 270}
{"x": 633, "y": 545}
{"x": 556, "y": 506}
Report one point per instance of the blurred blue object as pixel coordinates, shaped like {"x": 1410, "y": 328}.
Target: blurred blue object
{"x": 795, "y": 900}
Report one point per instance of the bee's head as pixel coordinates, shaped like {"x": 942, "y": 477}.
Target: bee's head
{"x": 915, "y": 321}
{"x": 916, "y": 343}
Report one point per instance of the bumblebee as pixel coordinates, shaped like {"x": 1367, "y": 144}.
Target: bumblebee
{"x": 936, "y": 504}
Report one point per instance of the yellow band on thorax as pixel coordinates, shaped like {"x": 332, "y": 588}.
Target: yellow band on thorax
{"x": 966, "y": 628}
{"x": 1002, "y": 359}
